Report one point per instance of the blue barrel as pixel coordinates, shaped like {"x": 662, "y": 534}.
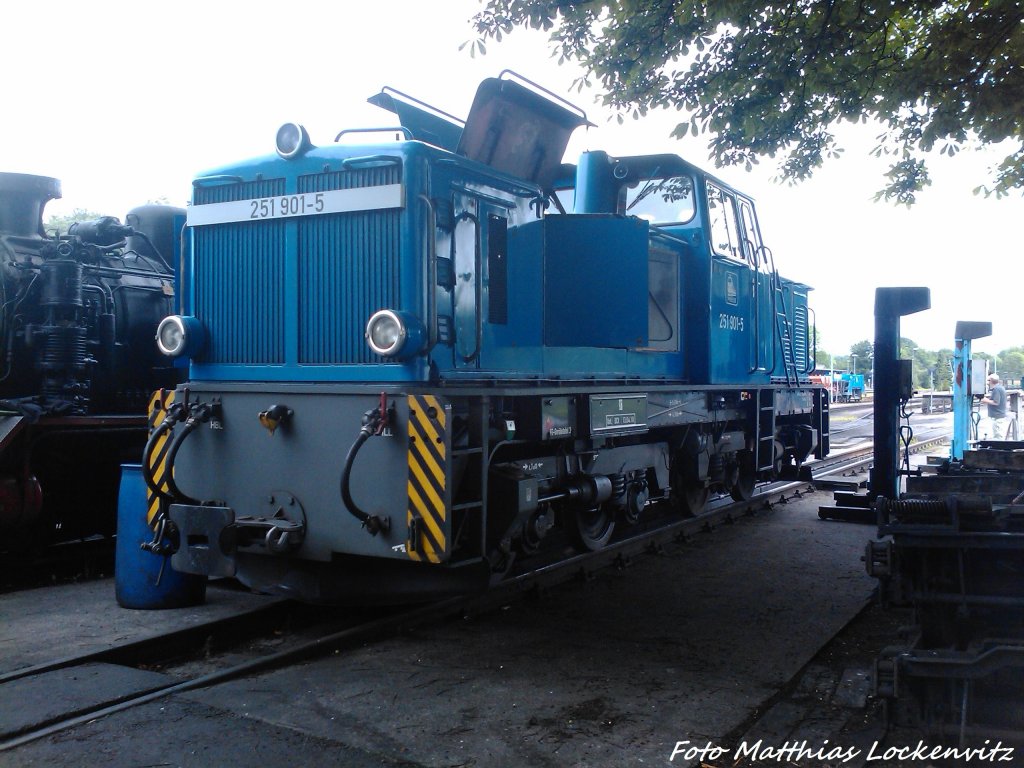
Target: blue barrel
{"x": 142, "y": 579}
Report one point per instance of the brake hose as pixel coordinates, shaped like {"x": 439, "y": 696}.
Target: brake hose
{"x": 374, "y": 423}
{"x": 198, "y": 414}
{"x": 173, "y": 415}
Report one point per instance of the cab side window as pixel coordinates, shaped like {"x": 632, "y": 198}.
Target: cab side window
{"x": 751, "y": 236}
{"x": 725, "y": 231}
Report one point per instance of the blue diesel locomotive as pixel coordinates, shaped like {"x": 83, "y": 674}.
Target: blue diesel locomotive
{"x": 413, "y": 360}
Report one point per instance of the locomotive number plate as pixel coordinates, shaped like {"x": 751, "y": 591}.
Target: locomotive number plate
{"x": 730, "y": 322}
{"x": 380, "y": 197}
{"x": 618, "y": 414}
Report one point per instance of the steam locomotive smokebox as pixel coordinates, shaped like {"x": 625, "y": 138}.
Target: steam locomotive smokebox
{"x": 142, "y": 579}
{"x": 595, "y": 278}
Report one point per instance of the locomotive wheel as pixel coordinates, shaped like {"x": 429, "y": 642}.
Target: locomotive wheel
{"x": 743, "y": 488}
{"x": 590, "y": 529}
{"x": 689, "y": 492}
{"x": 501, "y": 565}
{"x": 693, "y": 497}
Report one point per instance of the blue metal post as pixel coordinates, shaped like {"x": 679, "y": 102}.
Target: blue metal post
{"x": 962, "y": 395}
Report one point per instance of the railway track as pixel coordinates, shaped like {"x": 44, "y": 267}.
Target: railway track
{"x": 310, "y": 632}
{"x": 318, "y": 636}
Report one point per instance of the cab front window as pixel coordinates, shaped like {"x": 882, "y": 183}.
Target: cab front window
{"x": 662, "y": 201}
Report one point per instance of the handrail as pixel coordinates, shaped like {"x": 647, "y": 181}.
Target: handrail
{"x": 420, "y": 102}
{"x": 431, "y": 250}
{"x": 812, "y": 359}
{"x": 776, "y": 290}
{"x": 541, "y": 89}
{"x": 757, "y": 314}
{"x": 385, "y": 129}
{"x": 352, "y": 162}
{"x": 204, "y": 181}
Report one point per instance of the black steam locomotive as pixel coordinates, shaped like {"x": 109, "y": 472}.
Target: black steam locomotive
{"x": 78, "y": 313}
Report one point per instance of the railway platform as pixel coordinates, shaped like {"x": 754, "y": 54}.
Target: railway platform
{"x": 723, "y": 639}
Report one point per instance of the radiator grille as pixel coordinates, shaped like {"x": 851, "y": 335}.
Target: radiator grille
{"x": 346, "y": 265}
{"x": 800, "y": 335}
{"x": 348, "y": 269}
{"x": 239, "y": 280}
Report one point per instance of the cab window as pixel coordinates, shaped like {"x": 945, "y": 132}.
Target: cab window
{"x": 662, "y": 201}
{"x": 725, "y": 232}
{"x": 750, "y": 233}
{"x": 565, "y": 200}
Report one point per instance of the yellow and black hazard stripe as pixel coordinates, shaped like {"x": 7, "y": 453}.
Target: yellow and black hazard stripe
{"x": 158, "y": 405}
{"x": 427, "y": 515}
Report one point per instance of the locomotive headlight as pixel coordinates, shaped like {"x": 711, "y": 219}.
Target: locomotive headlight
{"x": 179, "y": 335}
{"x": 395, "y": 334}
{"x": 292, "y": 140}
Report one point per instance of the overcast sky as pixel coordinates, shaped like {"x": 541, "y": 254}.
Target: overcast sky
{"x": 126, "y": 101}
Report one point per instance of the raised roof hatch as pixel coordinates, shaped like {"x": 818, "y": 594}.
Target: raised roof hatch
{"x": 519, "y": 128}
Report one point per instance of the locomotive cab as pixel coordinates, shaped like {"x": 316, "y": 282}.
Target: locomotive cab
{"x": 755, "y": 326}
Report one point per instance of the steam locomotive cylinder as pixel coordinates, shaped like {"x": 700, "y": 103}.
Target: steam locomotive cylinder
{"x": 62, "y": 354}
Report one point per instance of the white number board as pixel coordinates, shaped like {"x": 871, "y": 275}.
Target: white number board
{"x": 376, "y": 198}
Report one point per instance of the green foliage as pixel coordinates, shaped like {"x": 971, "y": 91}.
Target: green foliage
{"x": 768, "y": 79}
{"x": 864, "y": 350}
{"x": 931, "y": 368}
{"x": 1011, "y": 363}
{"x": 61, "y": 224}
{"x": 817, "y": 340}
{"x": 944, "y": 370}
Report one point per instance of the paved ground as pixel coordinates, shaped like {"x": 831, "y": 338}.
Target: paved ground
{"x": 40, "y": 625}
{"x": 693, "y": 645}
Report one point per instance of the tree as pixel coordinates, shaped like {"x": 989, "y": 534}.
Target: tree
{"x": 864, "y": 350}
{"x": 944, "y": 370}
{"x": 767, "y": 79}
{"x": 1011, "y": 363}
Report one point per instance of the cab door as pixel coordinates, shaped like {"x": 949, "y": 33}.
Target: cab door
{"x": 479, "y": 258}
{"x": 733, "y": 340}
{"x": 762, "y": 309}
{"x": 466, "y": 293}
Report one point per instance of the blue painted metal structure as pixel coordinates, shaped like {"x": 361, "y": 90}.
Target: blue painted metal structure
{"x": 963, "y": 398}
{"x": 852, "y": 387}
{"x": 286, "y": 299}
{"x": 594, "y": 337}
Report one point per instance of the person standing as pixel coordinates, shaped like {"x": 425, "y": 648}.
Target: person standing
{"x": 996, "y": 402}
